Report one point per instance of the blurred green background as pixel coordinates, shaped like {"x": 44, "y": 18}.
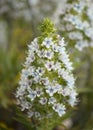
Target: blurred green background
{"x": 18, "y": 26}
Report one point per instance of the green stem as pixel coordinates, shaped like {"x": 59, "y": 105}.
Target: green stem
{"x": 34, "y": 124}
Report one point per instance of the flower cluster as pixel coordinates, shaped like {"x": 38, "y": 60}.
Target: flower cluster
{"x": 77, "y": 19}
{"x": 47, "y": 85}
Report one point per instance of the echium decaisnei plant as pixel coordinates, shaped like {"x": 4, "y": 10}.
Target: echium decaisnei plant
{"x": 77, "y": 19}
{"x": 47, "y": 85}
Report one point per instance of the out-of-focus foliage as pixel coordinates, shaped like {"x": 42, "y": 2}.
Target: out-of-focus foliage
{"x": 10, "y": 60}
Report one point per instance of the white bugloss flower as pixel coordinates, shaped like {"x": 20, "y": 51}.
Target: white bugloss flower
{"x": 49, "y": 65}
{"x": 47, "y": 42}
{"x": 43, "y": 101}
{"x": 51, "y": 90}
{"x": 32, "y": 95}
{"x": 49, "y": 54}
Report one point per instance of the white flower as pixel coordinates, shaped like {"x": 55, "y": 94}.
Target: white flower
{"x": 40, "y": 71}
{"x": 59, "y": 108}
{"x": 79, "y": 24}
{"x": 30, "y": 58}
{"x": 64, "y": 57}
{"x": 24, "y": 105}
{"x": 55, "y": 48}
{"x": 56, "y": 107}
{"x": 31, "y": 70}
{"x": 49, "y": 65}
{"x": 72, "y": 19}
{"x": 25, "y": 72}
{"x": 37, "y": 114}
{"x": 86, "y": 25}
{"x": 67, "y": 76}
{"x": 39, "y": 92}
{"x": 47, "y": 42}
{"x": 32, "y": 95}
{"x": 66, "y": 91}
{"x": 75, "y": 35}
{"x": 81, "y": 44}
{"x": 20, "y": 91}
{"x": 71, "y": 80}
{"x": 57, "y": 65}
{"x": 49, "y": 54}
{"x": 34, "y": 74}
{"x": 45, "y": 81}
{"x": 79, "y": 6}
{"x": 28, "y": 62}
{"x": 23, "y": 80}
{"x": 52, "y": 100}
{"x": 62, "y": 42}
{"x": 43, "y": 101}
{"x": 58, "y": 88}
{"x": 72, "y": 101}
{"x": 34, "y": 45}
{"x": 37, "y": 79}
{"x": 40, "y": 53}
{"x": 51, "y": 90}
{"x": 89, "y": 32}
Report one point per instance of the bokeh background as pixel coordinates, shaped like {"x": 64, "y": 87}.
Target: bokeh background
{"x": 19, "y": 20}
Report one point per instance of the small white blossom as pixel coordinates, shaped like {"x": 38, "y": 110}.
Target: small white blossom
{"x": 60, "y": 109}
{"x": 64, "y": 57}
{"x": 51, "y": 90}
{"x": 49, "y": 54}
{"x": 37, "y": 79}
{"x": 66, "y": 91}
{"x": 72, "y": 101}
{"x": 52, "y": 100}
{"x": 62, "y": 42}
{"x": 58, "y": 88}
{"x": 55, "y": 48}
{"x": 81, "y": 45}
{"x": 89, "y": 32}
{"x": 24, "y": 104}
{"x": 25, "y": 72}
{"x": 32, "y": 95}
{"x": 31, "y": 70}
{"x": 45, "y": 81}
{"x": 47, "y": 42}
{"x": 75, "y": 35}
{"x": 79, "y": 6}
{"x": 37, "y": 114}
{"x": 57, "y": 65}
{"x": 34, "y": 45}
{"x": 49, "y": 65}
{"x": 43, "y": 101}
{"x": 40, "y": 71}
{"x": 39, "y": 92}
{"x": 40, "y": 53}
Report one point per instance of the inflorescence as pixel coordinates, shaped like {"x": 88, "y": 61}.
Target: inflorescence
{"x": 47, "y": 84}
